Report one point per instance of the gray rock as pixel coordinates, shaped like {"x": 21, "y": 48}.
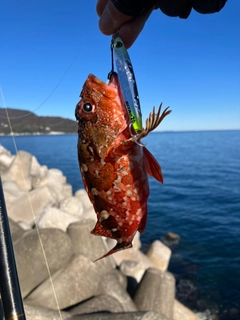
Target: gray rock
{"x": 143, "y": 262}
{"x": 98, "y": 303}
{"x": 38, "y": 313}
{"x": 19, "y": 171}
{"x": 15, "y": 229}
{"x": 132, "y": 268}
{"x": 53, "y": 217}
{"x": 31, "y": 265}
{"x": 156, "y": 292}
{"x": 110, "y": 285}
{"x": 138, "y": 315}
{"x": 93, "y": 247}
{"x": 159, "y": 254}
{"x": 22, "y": 208}
{"x": 75, "y": 282}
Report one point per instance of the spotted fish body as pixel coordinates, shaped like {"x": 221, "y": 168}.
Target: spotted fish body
{"x": 113, "y": 163}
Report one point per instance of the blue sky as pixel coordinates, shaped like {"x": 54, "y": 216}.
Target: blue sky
{"x": 191, "y": 65}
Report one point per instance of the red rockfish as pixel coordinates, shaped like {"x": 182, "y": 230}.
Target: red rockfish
{"x": 113, "y": 162}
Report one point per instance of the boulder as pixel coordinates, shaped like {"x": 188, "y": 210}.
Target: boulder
{"x": 53, "y": 178}
{"x": 82, "y": 195}
{"x": 143, "y": 262}
{"x": 5, "y": 159}
{"x": 19, "y": 171}
{"x": 11, "y": 191}
{"x": 137, "y": 315}
{"x": 16, "y": 230}
{"x": 93, "y": 247}
{"x": 156, "y": 292}
{"x": 109, "y": 284}
{"x": 72, "y": 206}
{"x": 159, "y": 254}
{"x": 52, "y": 217}
{"x": 67, "y": 190}
{"x": 170, "y": 236}
{"x": 35, "y": 169}
{"x": 89, "y": 214}
{"x": 38, "y": 313}
{"x": 74, "y": 283}
{"x": 30, "y": 260}
{"x": 133, "y": 269}
{"x": 30, "y": 205}
{"x": 98, "y": 303}
{"x": 180, "y": 312}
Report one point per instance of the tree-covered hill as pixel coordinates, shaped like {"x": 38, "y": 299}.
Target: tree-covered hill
{"x": 26, "y": 122}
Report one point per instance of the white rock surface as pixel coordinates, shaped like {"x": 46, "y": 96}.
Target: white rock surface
{"x": 67, "y": 190}
{"x": 132, "y": 268}
{"x": 11, "y": 191}
{"x": 19, "y": 171}
{"x": 83, "y": 197}
{"x": 55, "y": 218}
{"x": 35, "y": 169}
{"x": 72, "y": 206}
{"x": 53, "y": 179}
{"x": 159, "y": 254}
{"x": 22, "y": 208}
{"x": 5, "y": 159}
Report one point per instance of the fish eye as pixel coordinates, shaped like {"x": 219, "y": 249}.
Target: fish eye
{"x": 87, "y": 107}
{"x": 118, "y": 44}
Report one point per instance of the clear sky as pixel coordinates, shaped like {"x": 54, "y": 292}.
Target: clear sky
{"x": 191, "y": 65}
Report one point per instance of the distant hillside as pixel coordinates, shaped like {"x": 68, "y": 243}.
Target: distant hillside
{"x": 26, "y": 122}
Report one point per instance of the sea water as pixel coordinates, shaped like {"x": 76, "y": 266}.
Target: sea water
{"x": 199, "y": 200}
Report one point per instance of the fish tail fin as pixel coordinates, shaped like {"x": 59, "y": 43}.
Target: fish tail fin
{"x": 119, "y": 246}
{"x": 153, "y": 167}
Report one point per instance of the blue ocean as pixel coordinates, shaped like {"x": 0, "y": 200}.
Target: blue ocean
{"x": 199, "y": 200}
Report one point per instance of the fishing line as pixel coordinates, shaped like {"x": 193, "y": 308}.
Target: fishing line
{"x": 31, "y": 207}
{"x": 53, "y": 90}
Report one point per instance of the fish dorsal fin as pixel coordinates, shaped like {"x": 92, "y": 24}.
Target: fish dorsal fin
{"x": 153, "y": 167}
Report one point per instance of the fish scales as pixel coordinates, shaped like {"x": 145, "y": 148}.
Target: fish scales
{"x": 114, "y": 166}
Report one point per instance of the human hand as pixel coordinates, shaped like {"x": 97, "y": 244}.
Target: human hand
{"x": 112, "y": 20}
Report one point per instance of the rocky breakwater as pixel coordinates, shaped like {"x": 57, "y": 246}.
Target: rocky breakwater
{"x": 50, "y": 230}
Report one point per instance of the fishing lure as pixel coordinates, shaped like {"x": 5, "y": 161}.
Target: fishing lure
{"x": 127, "y": 82}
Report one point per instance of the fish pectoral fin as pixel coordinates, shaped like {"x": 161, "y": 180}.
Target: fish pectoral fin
{"x": 119, "y": 246}
{"x": 153, "y": 167}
